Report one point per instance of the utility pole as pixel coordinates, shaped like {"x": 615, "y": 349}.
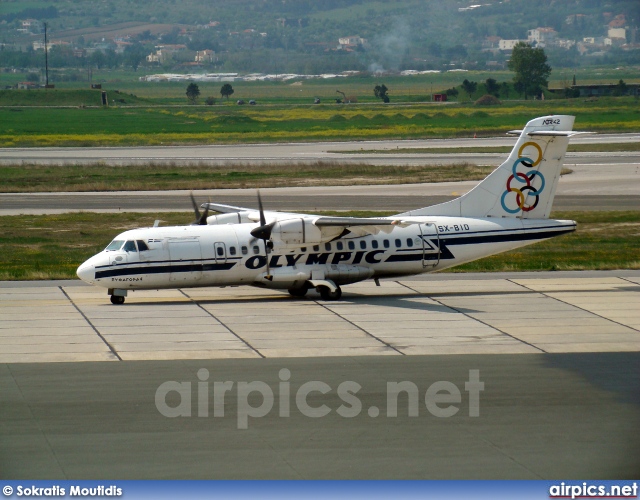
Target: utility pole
{"x": 46, "y": 58}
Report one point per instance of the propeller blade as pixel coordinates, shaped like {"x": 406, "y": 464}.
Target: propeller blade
{"x": 203, "y": 218}
{"x": 263, "y": 221}
{"x": 266, "y": 254}
{"x": 196, "y": 210}
{"x": 263, "y": 232}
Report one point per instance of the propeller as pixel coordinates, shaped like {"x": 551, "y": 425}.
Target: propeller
{"x": 201, "y": 219}
{"x": 263, "y": 232}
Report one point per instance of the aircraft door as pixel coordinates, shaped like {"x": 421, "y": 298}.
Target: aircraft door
{"x": 186, "y": 260}
{"x": 430, "y": 244}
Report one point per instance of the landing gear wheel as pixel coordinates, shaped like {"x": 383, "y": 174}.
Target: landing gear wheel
{"x": 298, "y": 292}
{"x": 117, "y": 299}
{"x": 326, "y": 294}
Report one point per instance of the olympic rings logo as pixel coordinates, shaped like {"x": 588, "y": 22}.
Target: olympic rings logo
{"x": 524, "y": 178}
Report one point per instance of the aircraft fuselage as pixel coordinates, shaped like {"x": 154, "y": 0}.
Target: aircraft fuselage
{"x": 228, "y": 255}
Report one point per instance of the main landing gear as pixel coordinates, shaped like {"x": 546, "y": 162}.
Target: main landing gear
{"x": 117, "y": 299}
{"x": 325, "y": 292}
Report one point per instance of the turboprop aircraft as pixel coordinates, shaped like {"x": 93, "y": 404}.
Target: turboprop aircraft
{"x": 296, "y": 252}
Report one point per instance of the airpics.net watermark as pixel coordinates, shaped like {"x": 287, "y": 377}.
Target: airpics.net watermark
{"x": 441, "y": 399}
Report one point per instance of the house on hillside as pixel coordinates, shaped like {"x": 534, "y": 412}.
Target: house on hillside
{"x": 508, "y": 44}
{"x": 205, "y": 56}
{"x": 352, "y": 42}
{"x": 542, "y": 36}
{"x": 32, "y": 26}
{"x": 164, "y": 53}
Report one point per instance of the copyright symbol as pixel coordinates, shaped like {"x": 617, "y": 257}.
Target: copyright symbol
{"x": 7, "y": 491}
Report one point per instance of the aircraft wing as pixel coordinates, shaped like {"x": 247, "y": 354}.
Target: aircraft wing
{"x": 225, "y": 209}
{"x": 359, "y": 226}
{"x": 353, "y": 221}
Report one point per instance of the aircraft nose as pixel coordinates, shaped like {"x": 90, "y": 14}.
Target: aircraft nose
{"x": 86, "y": 272}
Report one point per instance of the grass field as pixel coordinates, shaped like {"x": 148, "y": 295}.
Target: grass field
{"x": 52, "y": 246}
{"x": 149, "y": 125}
{"x": 401, "y": 88}
{"x": 47, "y": 178}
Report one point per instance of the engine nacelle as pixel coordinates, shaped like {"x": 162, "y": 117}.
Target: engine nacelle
{"x": 301, "y": 231}
{"x": 232, "y": 218}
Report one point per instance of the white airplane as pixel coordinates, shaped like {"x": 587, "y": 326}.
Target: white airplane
{"x": 296, "y": 252}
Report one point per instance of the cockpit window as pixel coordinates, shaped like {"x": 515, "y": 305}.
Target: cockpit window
{"x": 142, "y": 246}
{"x": 130, "y": 246}
{"x": 114, "y": 245}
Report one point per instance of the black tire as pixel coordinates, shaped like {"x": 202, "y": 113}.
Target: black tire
{"x": 117, "y": 299}
{"x": 298, "y": 292}
{"x": 326, "y": 294}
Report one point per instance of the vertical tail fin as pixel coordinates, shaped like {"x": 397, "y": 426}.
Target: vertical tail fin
{"x": 523, "y": 186}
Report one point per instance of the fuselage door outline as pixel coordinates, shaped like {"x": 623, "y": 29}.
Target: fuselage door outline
{"x": 429, "y": 232}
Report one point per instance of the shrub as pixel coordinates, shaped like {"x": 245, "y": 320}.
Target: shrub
{"x": 488, "y": 100}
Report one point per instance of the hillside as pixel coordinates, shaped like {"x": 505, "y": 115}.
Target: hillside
{"x": 302, "y": 36}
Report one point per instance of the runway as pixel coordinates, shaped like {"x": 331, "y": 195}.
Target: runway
{"x": 599, "y": 181}
{"x": 309, "y": 152}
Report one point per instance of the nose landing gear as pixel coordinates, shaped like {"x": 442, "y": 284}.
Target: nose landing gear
{"x": 117, "y": 295}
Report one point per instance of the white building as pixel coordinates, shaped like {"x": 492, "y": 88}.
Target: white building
{"x": 508, "y": 44}
{"x": 542, "y": 36}
{"x": 617, "y": 33}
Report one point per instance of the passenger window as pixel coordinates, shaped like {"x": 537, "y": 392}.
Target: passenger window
{"x": 232, "y": 250}
{"x": 363, "y": 245}
{"x": 142, "y": 246}
{"x": 351, "y": 245}
{"x": 245, "y": 250}
{"x": 386, "y": 243}
{"x": 339, "y": 245}
{"x": 374, "y": 243}
{"x": 130, "y": 246}
{"x": 256, "y": 250}
{"x": 409, "y": 242}
{"x": 398, "y": 243}
{"x": 316, "y": 248}
{"x": 327, "y": 247}
{"x": 220, "y": 251}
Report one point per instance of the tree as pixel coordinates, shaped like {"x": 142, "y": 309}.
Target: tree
{"x": 469, "y": 87}
{"x": 210, "y": 101}
{"x": 452, "y": 92}
{"x": 492, "y": 87}
{"x": 530, "y": 68}
{"x": 192, "y": 92}
{"x": 226, "y": 90}
{"x": 620, "y": 89}
{"x": 504, "y": 89}
{"x": 134, "y": 55}
{"x": 519, "y": 87}
{"x": 380, "y": 91}
{"x": 98, "y": 59}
